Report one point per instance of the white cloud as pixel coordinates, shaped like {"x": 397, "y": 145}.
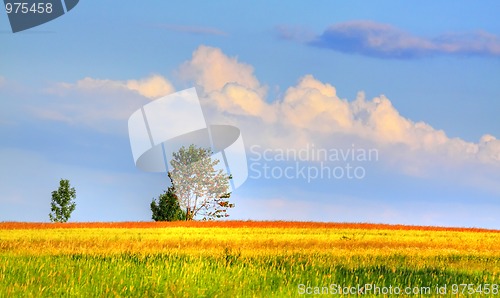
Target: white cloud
{"x": 240, "y": 100}
{"x": 489, "y": 149}
{"x": 315, "y": 106}
{"x": 211, "y": 69}
{"x": 93, "y": 84}
{"x": 230, "y": 85}
{"x": 102, "y": 104}
{"x": 380, "y": 122}
{"x": 311, "y": 112}
{"x": 308, "y": 112}
{"x": 153, "y": 87}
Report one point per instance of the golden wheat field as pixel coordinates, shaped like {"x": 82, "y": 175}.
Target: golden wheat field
{"x": 246, "y": 259}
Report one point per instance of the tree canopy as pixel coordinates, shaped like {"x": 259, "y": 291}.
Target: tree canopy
{"x": 167, "y": 208}
{"x": 201, "y": 188}
{"x": 62, "y": 204}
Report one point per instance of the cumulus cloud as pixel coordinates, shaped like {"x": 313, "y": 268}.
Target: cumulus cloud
{"x": 315, "y": 106}
{"x": 229, "y": 84}
{"x": 386, "y": 41}
{"x": 153, "y": 87}
{"x": 240, "y": 100}
{"x": 489, "y": 148}
{"x": 311, "y": 111}
{"x": 210, "y": 69}
{"x": 101, "y": 104}
{"x": 308, "y": 112}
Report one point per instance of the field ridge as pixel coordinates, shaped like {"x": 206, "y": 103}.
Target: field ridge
{"x": 235, "y": 224}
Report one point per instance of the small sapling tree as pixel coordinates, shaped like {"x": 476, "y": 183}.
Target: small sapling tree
{"x": 63, "y": 203}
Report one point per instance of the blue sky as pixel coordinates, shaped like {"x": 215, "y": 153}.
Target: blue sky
{"x": 420, "y": 83}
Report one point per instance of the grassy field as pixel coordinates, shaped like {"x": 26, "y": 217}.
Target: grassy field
{"x": 245, "y": 259}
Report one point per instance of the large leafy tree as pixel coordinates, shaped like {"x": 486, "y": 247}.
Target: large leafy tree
{"x": 202, "y": 190}
{"x": 62, "y": 204}
{"x": 167, "y": 207}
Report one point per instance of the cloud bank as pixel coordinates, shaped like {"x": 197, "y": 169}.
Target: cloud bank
{"x": 152, "y": 87}
{"x": 309, "y": 112}
{"x": 312, "y": 108}
{"x": 385, "y": 41}
{"x": 101, "y": 104}
{"x": 456, "y": 178}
